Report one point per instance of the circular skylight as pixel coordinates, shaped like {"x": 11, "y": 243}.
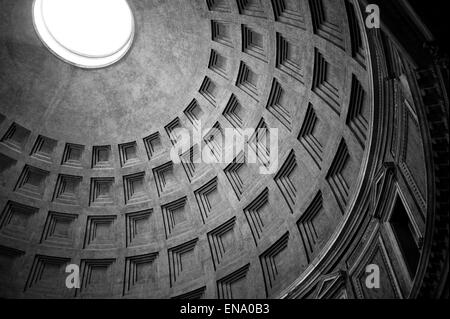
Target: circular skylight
{"x": 86, "y": 33}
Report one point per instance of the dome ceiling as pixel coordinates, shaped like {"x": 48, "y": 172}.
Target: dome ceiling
{"x": 150, "y": 86}
{"x": 87, "y": 177}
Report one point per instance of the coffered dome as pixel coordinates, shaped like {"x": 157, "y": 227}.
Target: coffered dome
{"x": 88, "y": 178}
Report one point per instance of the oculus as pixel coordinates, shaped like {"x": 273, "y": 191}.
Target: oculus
{"x": 85, "y": 33}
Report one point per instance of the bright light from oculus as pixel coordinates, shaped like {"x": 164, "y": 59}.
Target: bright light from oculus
{"x": 85, "y": 33}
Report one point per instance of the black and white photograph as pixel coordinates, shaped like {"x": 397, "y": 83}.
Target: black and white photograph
{"x": 224, "y": 157}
